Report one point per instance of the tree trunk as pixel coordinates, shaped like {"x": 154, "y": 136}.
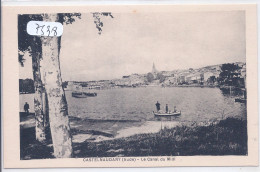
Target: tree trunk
{"x": 58, "y": 109}
{"x": 39, "y": 99}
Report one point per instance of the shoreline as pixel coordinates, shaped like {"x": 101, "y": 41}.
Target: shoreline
{"x": 118, "y": 128}
{"x": 223, "y": 137}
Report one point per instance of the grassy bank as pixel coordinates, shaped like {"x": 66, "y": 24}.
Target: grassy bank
{"x": 227, "y": 137}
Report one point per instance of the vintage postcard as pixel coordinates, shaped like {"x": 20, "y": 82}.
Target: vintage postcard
{"x": 130, "y": 86}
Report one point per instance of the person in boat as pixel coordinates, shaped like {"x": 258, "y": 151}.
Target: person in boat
{"x": 26, "y": 108}
{"x": 175, "y": 109}
{"x": 158, "y": 106}
{"x": 166, "y": 108}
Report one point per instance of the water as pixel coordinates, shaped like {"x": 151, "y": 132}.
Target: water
{"x": 196, "y": 104}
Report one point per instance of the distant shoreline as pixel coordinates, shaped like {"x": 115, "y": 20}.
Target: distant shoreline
{"x": 151, "y": 86}
{"x": 145, "y": 86}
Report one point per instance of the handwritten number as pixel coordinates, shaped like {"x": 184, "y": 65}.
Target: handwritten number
{"x": 48, "y": 30}
{"x": 38, "y": 26}
{"x": 42, "y": 29}
{"x": 54, "y": 29}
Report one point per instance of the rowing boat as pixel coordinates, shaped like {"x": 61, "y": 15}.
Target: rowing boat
{"x": 83, "y": 94}
{"x": 177, "y": 113}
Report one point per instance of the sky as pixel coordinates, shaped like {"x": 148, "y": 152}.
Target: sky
{"x": 131, "y": 42}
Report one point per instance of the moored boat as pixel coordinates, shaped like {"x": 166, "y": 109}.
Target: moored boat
{"x": 79, "y": 95}
{"x": 83, "y": 94}
{"x": 90, "y": 94}
{"x": 240, "y": 100}
{"x": 176, "y": 113}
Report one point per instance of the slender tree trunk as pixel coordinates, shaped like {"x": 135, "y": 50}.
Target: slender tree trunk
{"x": 45, "y": 109}
{"x": 45, "y": 106}
{"x": 38, "y": 95}
{"x": 58, "y": 109}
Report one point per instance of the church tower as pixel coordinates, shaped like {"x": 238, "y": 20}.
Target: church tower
{"x": 154, "y": 71}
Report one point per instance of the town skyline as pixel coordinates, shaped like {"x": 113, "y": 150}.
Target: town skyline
{"x": 30, "y": 76}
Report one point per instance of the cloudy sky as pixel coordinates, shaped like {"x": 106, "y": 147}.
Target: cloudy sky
{"x": 131, "y": 42}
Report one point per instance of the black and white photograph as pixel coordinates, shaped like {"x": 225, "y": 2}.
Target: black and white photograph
{"x": 141, "y": 85}
{"x": 118, "y": 85}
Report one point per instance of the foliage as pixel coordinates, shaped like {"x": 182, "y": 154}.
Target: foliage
{"x": 160, "y": 77}
{"x": 68, "y": 18}
{"x": 25, "y": 40}
{"x": 26, "y": 86}
{"x": 149, "y": 77}
{"x": 230, "y": 67}
{"x": 30, "y": 147}
{"x": 212, "y": 79}
{"x": 97, "y": 20}
{"x": 228, "y": 71}
{"x": 21, "y": 58}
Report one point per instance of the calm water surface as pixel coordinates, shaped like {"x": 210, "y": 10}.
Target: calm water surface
{"x": 196, "y": 104}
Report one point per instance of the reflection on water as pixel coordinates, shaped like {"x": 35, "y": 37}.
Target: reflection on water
{"x": 166, "y": 118}
{"x": 232, "y": 92}
{"x": 137, "y": 104}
